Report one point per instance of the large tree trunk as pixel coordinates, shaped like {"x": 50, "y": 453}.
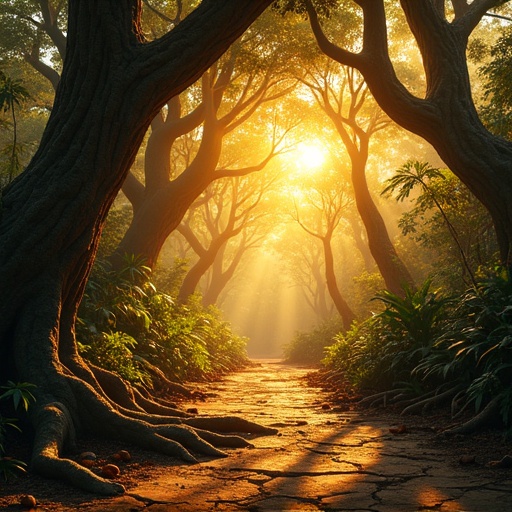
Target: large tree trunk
{"x": 112, "y": 85}
{"x": 391, "y": 267}
{"x": 160, "y": 214}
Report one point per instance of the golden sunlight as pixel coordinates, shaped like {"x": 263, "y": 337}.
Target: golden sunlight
{"x": 309, "y": 156}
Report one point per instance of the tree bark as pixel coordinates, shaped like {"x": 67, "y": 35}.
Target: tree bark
{"x": 391, "y": 267}
{"x": 52, "y": 215}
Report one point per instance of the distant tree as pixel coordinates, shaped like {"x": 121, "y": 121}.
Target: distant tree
{"x": 325, "y": 203}
{"x": 304, "y": 261}
{"x": 344, "y": 97}
{"x": 232, "y": 211}
{"x": 12, "y": 94}
{"x": 35, "y": 31}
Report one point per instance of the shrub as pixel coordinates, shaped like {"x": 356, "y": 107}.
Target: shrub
{"x": 20, "y": 394}
{"x": 475, "y": 349}
{"x": 126, "y": 323}
{"x": 309, "y": 347}
{"x": 385, "y": 349}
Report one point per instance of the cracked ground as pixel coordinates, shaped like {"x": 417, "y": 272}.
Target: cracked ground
{"x": 325, "y": 457}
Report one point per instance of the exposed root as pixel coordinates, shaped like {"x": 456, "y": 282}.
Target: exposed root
{"x": 118, "y": 390}
{"x": 66, "y": 402}
{"x": 163, "y": 384}
{"x": 404, "y": 400}
{"x": 488, "y": 416}
{"x": 424, "y": 404}
{"x": 229, "y": 424}
{"x": 187, "y": 436}
{"x": 223, "y": 440}
{"x": 122, "y": 394}
{"x": 54, "y": 428}
{"x": 381, "y": 398}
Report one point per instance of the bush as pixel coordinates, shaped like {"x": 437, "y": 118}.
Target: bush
{"x": 475, "y": 348}
{"x": 309, "y": 347}
{"x": 126, "y": 323}
{"x": 19, "y": 394}
{"x": 358, "y": 355}
{"x": 386, "y": 348}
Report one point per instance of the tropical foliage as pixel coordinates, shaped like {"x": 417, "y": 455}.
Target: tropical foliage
{"x": 308, "y": 347}
{"x": 435, "y": 348}
{"x": 497, "y": 75}
{"x": 386, "y": 348}
{"x": 128, "y": 326}
{"x": 20, "y": 396}
{"x": 12, "y": 94}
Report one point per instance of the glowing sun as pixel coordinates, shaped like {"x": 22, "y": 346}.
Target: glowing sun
{"x": 310, "y": 156}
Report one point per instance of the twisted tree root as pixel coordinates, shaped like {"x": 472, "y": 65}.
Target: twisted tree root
{"x": 81, "y": 406}
{"x": 487, "y": 416}
{"x": 425, "y": 403}
{"x": 54, "y": 428}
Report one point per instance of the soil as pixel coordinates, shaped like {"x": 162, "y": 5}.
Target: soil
{"x": 328, "y": 455}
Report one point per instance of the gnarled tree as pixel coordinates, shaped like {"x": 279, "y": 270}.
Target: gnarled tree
{"x": 112, "y": 85}
{"x": 161, "y": 202}
{"x": 446, "y": 116}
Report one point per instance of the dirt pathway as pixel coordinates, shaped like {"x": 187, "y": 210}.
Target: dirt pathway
{"x": 321, "y": 459}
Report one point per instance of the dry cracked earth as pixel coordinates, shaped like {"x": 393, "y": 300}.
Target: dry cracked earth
{"x": 325, "y": 457}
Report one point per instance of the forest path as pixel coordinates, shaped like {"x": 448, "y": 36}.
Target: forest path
{"x": 324, "y": 458}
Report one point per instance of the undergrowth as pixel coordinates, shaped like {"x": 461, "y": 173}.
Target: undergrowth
{"x": 128, "y": 326}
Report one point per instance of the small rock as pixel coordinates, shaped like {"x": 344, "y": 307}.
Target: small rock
{"x": 28, "y": 501}
{"x": 87, "y": 463}
{"x": 326, "y": 407}
{"x": 192, "y": 410}
{"x": 467, "y": 459}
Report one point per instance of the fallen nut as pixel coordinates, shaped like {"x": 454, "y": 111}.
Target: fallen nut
{"x": 28, "y": 501}
{"x": 110, "y": 471}
{"x": 401, "y": 429}
{"x": 87, "y": 456}
{"x": 124, "y": 455}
